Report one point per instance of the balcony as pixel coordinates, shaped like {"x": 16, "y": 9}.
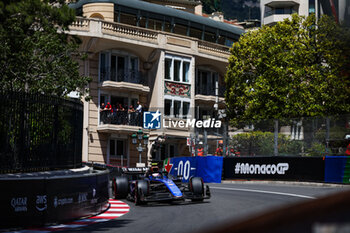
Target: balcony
{"x": 143, "y": 37}
{"x": 119, "y": 121}
{"x": 123, "y": 80}
{"x": 279, "y": 14}
{"x": 281, "y": 3}
{"x": 281, "y": 11}
{"x": 208, "y": 94}
{"x": 273, "y": 19}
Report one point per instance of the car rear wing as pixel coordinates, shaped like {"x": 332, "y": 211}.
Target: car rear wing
{"x": 135, "y": 170}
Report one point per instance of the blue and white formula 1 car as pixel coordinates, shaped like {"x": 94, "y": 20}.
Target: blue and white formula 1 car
{"x": 143, "y": 185}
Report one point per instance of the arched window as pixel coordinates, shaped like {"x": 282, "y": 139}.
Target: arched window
{"x": 97, "y": 16}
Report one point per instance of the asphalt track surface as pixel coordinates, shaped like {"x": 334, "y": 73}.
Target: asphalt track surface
{"x": 229, "y": 202}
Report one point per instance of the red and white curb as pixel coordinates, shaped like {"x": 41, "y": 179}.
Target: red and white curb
{"x": 115, "y": 210}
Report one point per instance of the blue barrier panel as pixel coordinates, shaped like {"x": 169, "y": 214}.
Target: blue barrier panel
{"x": 184, "y": 166}
{"x": 210, "y": 168}
{"x": 334, "y": 168}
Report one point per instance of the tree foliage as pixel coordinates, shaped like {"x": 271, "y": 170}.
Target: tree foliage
{"x": 297, "y": 68}
{"x": 210, "y": 6}
{"x": 36, "y": 54}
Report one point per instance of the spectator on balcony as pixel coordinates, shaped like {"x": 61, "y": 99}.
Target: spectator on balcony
{"x": 114, "y": 113}
{"x": 102, "y": 107}
{"x": 139, "y": 107}
{"x": 114, "y": 108}
{"x": 120, "y": 107}
{"x": 131, "y": 109}
{"x": 138, "y": 114}
{"x": 109, "y": 107}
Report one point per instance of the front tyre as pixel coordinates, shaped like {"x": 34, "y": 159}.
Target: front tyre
{"x": 141, "y": 190}
{"x": 196, "y": 186}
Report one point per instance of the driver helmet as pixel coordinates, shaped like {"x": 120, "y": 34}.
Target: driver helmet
{"x": 155, "y": 171}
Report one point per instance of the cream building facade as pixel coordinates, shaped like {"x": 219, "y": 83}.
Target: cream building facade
{"x": 166, "y": 59}
{"x": 273, "y": 11}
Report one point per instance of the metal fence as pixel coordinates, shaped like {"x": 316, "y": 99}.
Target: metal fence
{"x": 39, "y": 133}
{"x": 314, "y": 136}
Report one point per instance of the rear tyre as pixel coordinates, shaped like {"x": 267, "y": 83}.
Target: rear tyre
{"x": 120, "y": 187}
{"x": 197, "y": 188}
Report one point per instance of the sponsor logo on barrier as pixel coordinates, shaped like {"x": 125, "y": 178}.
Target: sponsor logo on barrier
{"x": 167, "y": 165}
{"x": 62, "y": 201}
{"x": 82, "y": 197}
{"x": 184, "y": 170}
{"x": 19, "y": 204}
{"x": 41, "y": 202}
{"x": 93, "y": 200}
{"x": 270, "y": 169}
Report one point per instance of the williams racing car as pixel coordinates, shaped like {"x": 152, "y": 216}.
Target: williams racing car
{"x": 143, "y": 185}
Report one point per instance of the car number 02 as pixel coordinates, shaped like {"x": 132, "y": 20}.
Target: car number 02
{"x": 184, "y": 170}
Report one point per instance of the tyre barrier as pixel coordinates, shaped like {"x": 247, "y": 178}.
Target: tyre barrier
{"x": 40, "y": 200}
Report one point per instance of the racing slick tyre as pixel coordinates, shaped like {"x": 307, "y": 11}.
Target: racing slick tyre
{"x": 197, "y": 188}
{"x": 141, "y": 190}
{"x": 120, "y": 187}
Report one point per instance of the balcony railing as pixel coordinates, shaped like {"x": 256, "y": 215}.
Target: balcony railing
{"x": 118, "y": 28}
{"x": 99, "y": 28}
{"x": 280, "y": 12}
{"x": 210, "y": 91}
{"x": 214, "y": 47}
{"x": 129, "y": 76}
{"x": 121, "y": 118}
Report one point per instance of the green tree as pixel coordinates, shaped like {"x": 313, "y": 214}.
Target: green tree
{"x": 36, "y": 54}
{"x": 297, "y": 68}
{"x": 210, "y": 6}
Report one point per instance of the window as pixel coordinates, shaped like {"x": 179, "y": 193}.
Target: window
{"x": 167, "y": 68}
{"x": 142, "y": 22}
{"x": 133, "y": 64}
{"x": 311, "y": 6}
{"x": 118, "y": 66}
{"x": 208, "y": 36}
{"x": 168, "y": 107}
{"x": 117, "y": 147}
{"x": 177, "y": 69}
{"x": 185, "y": 71}
{"x": 155, "y": 24}
{"x": 185, "y": 109}
{"x": 229, "y": 42}
{"x": 196, "y": 33}
{"x": 128, "y": 19}
{"x": 206, "y": 82}
{"x": 180, "y": 29}
{"x": 104, "y": 67}
{"x": 177, "y": 108}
